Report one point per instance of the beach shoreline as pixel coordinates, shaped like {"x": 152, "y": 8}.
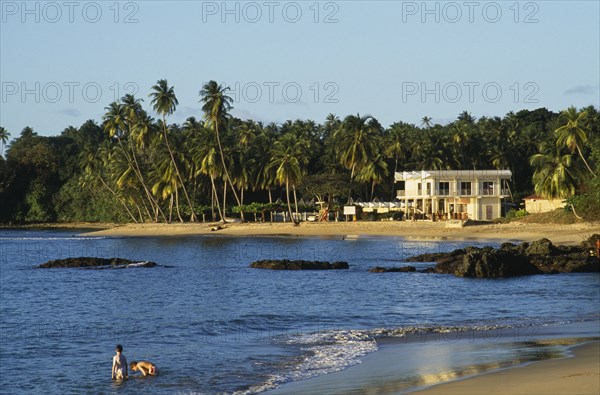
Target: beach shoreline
{"x": 576, "y": 374}
{"x": 556, "y": 359}
{"x": 514, "y": 231}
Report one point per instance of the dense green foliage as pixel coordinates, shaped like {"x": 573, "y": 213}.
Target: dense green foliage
{"x": 136, "y": 168}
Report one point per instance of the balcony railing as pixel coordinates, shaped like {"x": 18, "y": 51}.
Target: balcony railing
{"x": 466, "y": 192}
{"x": 487, "y": 192}
{"x": 443, "y": 192}
{"x": 400, "y": 192}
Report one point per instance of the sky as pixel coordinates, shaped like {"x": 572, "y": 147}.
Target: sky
{"x": 63, "y": 62}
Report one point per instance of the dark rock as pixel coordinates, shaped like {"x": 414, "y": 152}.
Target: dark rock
{"x": 285, "y": 264}
{"x": 490, "y": 263}
{"x": 591, "y": 242}
{"x": 539, "y": 257}
{"x": 92, "y": 262}
{"x": 403, "y": 269}
{"x": 540, "y": 247}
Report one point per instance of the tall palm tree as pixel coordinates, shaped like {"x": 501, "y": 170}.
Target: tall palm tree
{"x": 357, "y": 141}
{"x": 93, "y": 164}
{"x": 138, "y": 124}
{"x": 395, "y": 146}
{"x": 167, "y": 185}
{"x": 216, "y": 109}
{"x": 164, "y": 103}
{"x": 4, "y": 136}
{"x": 573, "y": 133}
{"x": 288, "y": 160}
{"x": 205, "y": 156}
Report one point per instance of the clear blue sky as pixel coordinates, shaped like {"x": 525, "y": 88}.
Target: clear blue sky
{"x": 62, "y": 63}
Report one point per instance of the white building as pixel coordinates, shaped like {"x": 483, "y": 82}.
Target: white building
{"x": 535, "y": 204}
{"x": 452, "y": 194}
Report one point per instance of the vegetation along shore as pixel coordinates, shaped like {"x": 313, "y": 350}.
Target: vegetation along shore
{"x": 130, "y": 167}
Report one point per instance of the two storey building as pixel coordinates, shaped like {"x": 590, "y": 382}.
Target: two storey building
{"x": 452, "y": 194}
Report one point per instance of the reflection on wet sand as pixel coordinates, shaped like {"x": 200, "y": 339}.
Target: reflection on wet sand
{"x": 427, "y": 376}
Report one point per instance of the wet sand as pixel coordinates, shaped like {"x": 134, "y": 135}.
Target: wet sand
{"x": 514, "y": 361}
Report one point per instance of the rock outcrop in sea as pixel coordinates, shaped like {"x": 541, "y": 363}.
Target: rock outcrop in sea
{"x": 94, "y": 263}
{"x": 538, "y": 257}
{"x": 402, "y": 269}
{"x": 285, "y": 264}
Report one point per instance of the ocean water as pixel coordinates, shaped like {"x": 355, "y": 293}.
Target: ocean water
{"x": 212, "y": 325}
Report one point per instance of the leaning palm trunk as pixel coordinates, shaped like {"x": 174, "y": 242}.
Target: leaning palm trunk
{"x": 227, "y": 178}
{"x": 295, "y": 204}
{"x": 118, "y": 198}
{"x": 145, "y": 207}
{"x": 193, "y": 215}
{"x": 584, "y": 161}
{"x": 575, "y": 212}
{"x": 287, "y": 192}
{"x": 215, "y": 198}
{"x": 177, "y": 205}
{"x": 138, "y": 172}
{"x": 130, "y": 164}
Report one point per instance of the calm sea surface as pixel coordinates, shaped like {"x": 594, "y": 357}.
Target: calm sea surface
{"x": 213, "y": 325}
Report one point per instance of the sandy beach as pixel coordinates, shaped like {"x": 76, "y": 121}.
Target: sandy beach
{"x": 540, "y": 361}
{"x": 515, "y": 231}
{"x": 579, "y": 375}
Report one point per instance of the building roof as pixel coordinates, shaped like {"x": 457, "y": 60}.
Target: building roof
{"x": 538, "y": 197}
{"x": 452, "y": 174}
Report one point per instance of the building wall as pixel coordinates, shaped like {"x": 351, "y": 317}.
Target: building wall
{"x": 483, "y": 203}
{"x": 534, "y": 206}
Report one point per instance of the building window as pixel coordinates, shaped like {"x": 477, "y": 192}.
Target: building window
{"x": 428, "y": 189}
{"x": 465, "y": 188}
{"x": 401, "y": 191}
{"x": 443, "y": 188}
{"x": 419, "y": 189}
{"x": 487, "y": 188}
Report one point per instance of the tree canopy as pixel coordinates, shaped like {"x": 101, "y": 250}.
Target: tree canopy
{"x": 132, "y": 167}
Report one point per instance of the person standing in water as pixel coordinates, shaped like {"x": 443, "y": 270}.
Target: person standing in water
{"x": 119, "y": 365}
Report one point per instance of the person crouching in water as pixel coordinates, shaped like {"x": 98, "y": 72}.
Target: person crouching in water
{"x": 146, "y": 367}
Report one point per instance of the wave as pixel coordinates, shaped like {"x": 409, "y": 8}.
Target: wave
{"x": 335, "y": 350}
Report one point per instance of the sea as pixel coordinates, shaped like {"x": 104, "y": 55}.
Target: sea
{"x": 213, "y": 325}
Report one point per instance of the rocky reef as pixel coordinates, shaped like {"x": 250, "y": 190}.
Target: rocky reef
{"x": 538, "y": 257}
{"x": 285, "y": 264}
{"x": 94, "y": 263}
{"x": 402, "y": 269}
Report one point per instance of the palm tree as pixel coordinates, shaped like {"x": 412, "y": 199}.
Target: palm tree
{"x": 4, "y": 136}
{"x": 216, "y": 109}
{"x": 555, "y": 177}
{"x": 375, "y": 171}
{"x": 164, "y": 103}
{"x": 115, "y": 124}
{"x": 205, "y": 152}
{"x": 426, "y": 122}
{"x": 167, "y": 185}
{"x": 288, "y": 159}
{"x": 573, "y": 133}
{"x": 93, "y": 164}
{"x": 357, "y": 141}
{"x": 139, "y": 124}
{"x": 394, "y": 146}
